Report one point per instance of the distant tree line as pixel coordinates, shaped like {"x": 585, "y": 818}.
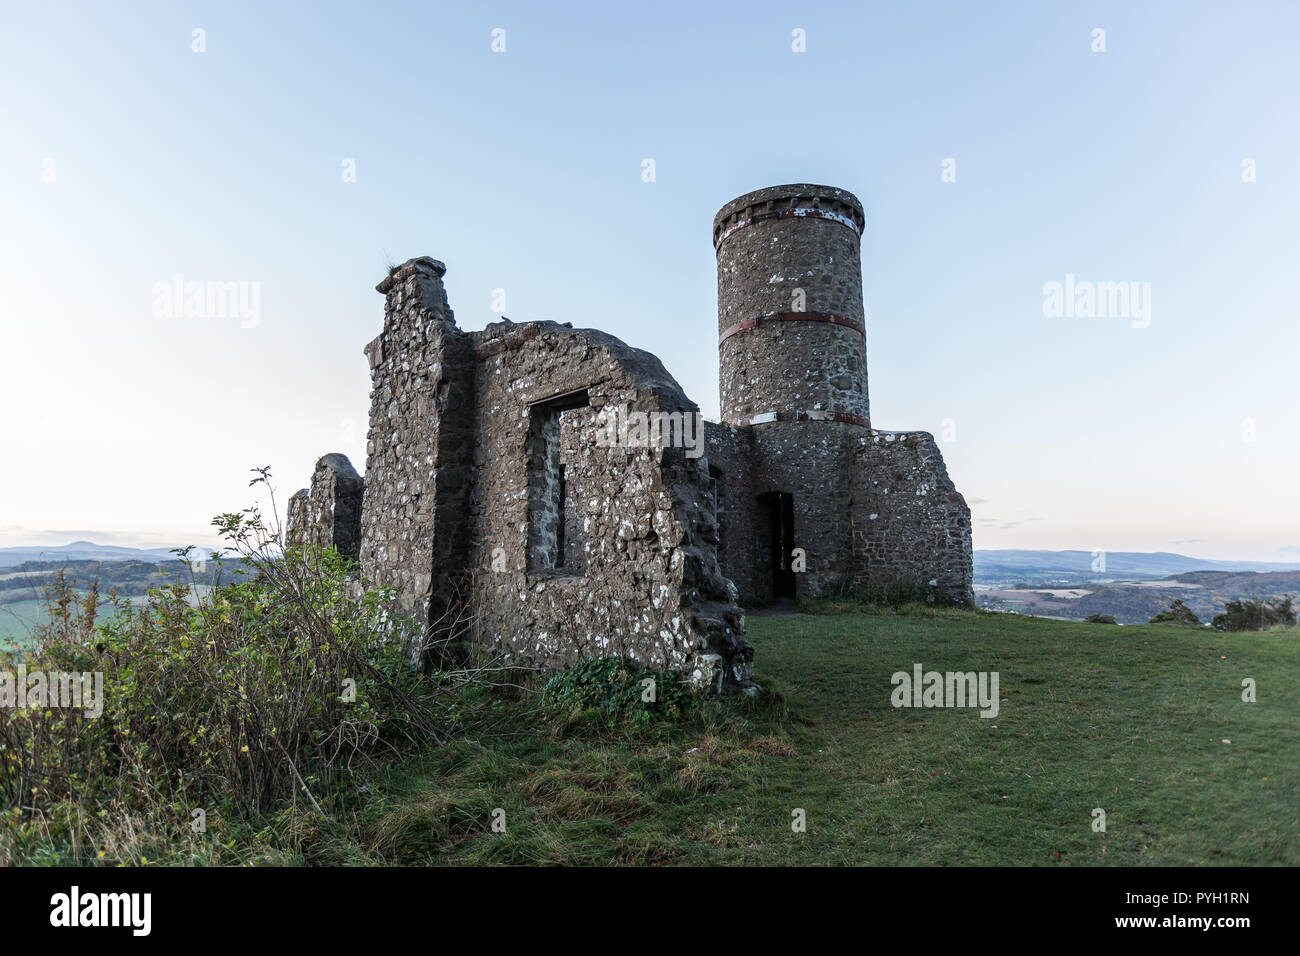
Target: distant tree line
{"x": 1245, "y": 614}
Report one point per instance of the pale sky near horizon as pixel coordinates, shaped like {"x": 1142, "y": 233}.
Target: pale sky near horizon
{"x": 127, "y": 158}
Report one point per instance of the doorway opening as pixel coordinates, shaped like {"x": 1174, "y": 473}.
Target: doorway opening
{"x": 779, "y": 506}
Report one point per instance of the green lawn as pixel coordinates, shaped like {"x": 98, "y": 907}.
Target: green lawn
{"x": 1133, "y": 720}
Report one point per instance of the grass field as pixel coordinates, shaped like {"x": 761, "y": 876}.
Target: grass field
{"x": 1145, "y": 722}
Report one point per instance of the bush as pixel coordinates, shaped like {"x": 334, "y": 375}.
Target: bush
{"x": 615, "y": 691}
{"x": 1100, "y": 619}
{"x": 276, "y": 689}
{"x": 1177, "y": 613}
{"x": 1250, "y": 615}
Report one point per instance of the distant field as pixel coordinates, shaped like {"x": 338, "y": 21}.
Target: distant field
{"x": 130, "y": 580}
{"x": 1136, "y": 602}
{"x": 18, "y": 619}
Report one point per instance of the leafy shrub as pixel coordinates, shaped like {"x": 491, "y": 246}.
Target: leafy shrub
{"x": 616, "y": 690}
{"x": 277, "y": 688}
{"x": 1100, "y": 619}
{"x": 1250, "y": 615}
{"x": 1177, "y": 613}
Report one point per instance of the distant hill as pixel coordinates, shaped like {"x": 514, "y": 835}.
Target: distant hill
{"x": 1002, "y": 568}
{"x": 1135, "y": 602}
{"x": 82, "y": 551}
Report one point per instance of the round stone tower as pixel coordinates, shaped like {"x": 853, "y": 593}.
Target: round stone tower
{"x": 791, "y": 336}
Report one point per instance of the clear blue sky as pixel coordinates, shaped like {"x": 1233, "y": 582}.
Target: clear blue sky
{"x": 522, "y": 171}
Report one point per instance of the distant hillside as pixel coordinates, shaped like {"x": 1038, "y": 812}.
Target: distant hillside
{"x": 1249, "y": 585}
{"x": 1003, "y": 568}
{"x": 82, "y": 551}
{"x": 23, "y": 587}
{"x": 1135, "y": 602}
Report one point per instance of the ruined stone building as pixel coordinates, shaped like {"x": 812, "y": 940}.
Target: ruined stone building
{"x": 556, "y": 480}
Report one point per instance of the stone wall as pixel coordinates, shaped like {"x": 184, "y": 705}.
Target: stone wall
{"x": 811, "y": 461}
{"x": 793, "y": 369}
{"x": 870, "y": 508}
{"x": 328, "y": 514}
{"x": 414, "y": 533}
{"x": 729, "y": 452}
{"x": 645, "y": 583}
{"x": 909, "y": 522}
{"x": 490, "y": 501}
